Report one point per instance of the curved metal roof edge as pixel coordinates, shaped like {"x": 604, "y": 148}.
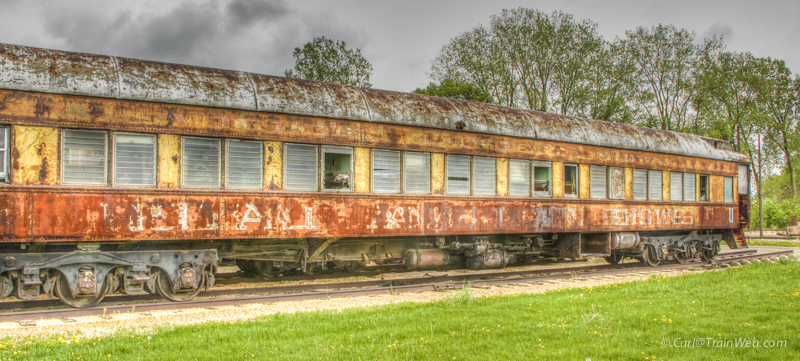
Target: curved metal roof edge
{"x": 61, "y": 72}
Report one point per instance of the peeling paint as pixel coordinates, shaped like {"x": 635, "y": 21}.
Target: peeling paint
{"x": 35, "y": 156}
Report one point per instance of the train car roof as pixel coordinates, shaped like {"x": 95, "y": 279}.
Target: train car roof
{"x": 60, "y": 72}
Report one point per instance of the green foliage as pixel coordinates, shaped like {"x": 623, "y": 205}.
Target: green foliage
{"x": 627, "y": 321}
{"x": 325, "y": 60}
{"x": 450, "y": 88}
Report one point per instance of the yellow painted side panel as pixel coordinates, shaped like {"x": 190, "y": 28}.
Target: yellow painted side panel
{"x": 697, "y": 187}
{"x": 717, "y": 188}
{"x": 736, "y": 189}
{"x": 362, "y": 169}
{"x": 502, "y": 177}
{"x": 273, "y": 166}
{"x": 628, "y": 184}
{"x": 437, "y": 173}
{"x": 584, "y": 184}
{"x": 558, "y": 179}
{"x": 35, "y": 158}
{"x": 665, "y": 193}
{"x": 169, "y": 161}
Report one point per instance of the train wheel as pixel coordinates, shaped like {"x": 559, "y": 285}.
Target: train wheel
{"x": 614, "y": 258}
{"x": 64, "y": 294}
{"x": 164, "y": 288}
{"x": 707, "y": 255}
{"x": 262, "y": 268}
{"x": 649, "y": 258}
{"x": 248, "y": 267}
{"x": 680, "y": 257}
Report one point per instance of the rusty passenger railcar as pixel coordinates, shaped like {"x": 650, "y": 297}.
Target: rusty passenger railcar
{"x": 128, "y": 175}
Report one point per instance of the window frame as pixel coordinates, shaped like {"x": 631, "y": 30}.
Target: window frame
{"x": 726, "y": 194}
{"x": 592, "y": 168}
{"x": 64, "y": 163}
{"x": 577, "y": 181}
{"x": 403, "y": 172}
{"x": 321, "y": 170}
{"x": 400, "y": 177}
{"x": 699, "y": 188}
{"x": 4, "y": 172}
{"x": 227, "y": 164}
{"x": 529, "y": 174}
{"x": 693, "y": 176}
{"x": 608, "y": 182}
{"x": 646, "y": 184}
{"x": 661, "y": 183}
{"x": 541, "y": 164}
{"x": 155, "y": 160}
{"x": 672, "y": 186}
{"x": 316, "y": 164}
{"x": 472, "y": 176}
{"x": 219, "y": 162}
{"x": 447, "y": 175}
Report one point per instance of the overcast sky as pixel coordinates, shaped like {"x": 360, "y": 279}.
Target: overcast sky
{"x": 399, "y": 38}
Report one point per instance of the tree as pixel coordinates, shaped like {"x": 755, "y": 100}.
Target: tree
{"x": 780, "y": 96}
{"x": 450, "y": 88}
{"x": 325, "y": 60}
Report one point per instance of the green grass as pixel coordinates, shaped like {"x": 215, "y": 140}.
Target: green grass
{"x": 627, "y": 321}
{"x": 762, "y": 242}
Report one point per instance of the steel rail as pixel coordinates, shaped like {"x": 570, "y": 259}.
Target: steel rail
{"x": 431, "y": 286}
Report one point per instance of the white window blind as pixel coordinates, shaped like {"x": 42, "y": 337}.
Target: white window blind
{"x": 484, "y": 172}
{"x": 689, "y": 187}
{"x": 200, "y": 166}
{"x": 675, "y": 186}
{"x": 244, "y": 165}
{"x": 417, "y": 173}
{"x": 135, "y": 160}
{"x": 84, "y": 157}
{"x": 728, "y": 189}
{"x": 639, "y": 184}
{"x": 519, "y": 178}
{"x": 655, "y": 185}
{"x": 301, "y": 167}
{"x": 385, "y": 171}
{"x": 599, "y": 175}
{"x": 3, "y": 154}
{"x": 457, "y": 174}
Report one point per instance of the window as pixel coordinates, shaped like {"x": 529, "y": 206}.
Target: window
{"x": 675, "y": 186}
{"x": 744, "y": 179}
{"x": 541, "y": 179}
{"x": 385, "y": 171}
{"x": 457, "y": 174}
{"x": 519, "y": 178}
{"x": 200, "y": 167}
{"x": 244, "y": 165}
{"x": 84, "y": 157}
{"x": 598, "y": 174}
{"x": 337, "y": 169}
{"x": 654, "y": 185}
{"x": 639, "y": 184}
{"x": 570, "y": 180}
{"x": 134, "y": 160}
{"x": 417, "y": 173}
{"x": 484, "y": 172}
{"x": 689, "y": 187}
{"x": 616, "y": 183}
{"x": 728, "y": 189}
{"x": 301, "y": 167}
{"x": 3, "y": 154}
{"x": 704, "y": 188}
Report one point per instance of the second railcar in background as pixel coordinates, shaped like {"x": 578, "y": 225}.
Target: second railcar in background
{"x": 123, "y": 175}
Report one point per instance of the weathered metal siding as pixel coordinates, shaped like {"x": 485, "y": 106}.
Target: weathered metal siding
{"x": 558, "y": 179}
{"x": 41, "y": 70}
{"x": 585, "y": 182}
{"x": 717, "y": 187}
{"x": 169, "y": 161}
{"x": 665, "y": 182}
{"x": 502, "y": 177}
{"x": 34, "y": 156}
{"x": 363, "y": 170}
{"x": 628, "y": 184}
{"x": 273, "y": 166}
{"x": 437, "y": 173}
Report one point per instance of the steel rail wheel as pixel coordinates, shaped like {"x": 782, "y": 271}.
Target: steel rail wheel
{"x": 164, "y": 288}
{"x": 64, "y": 294}
{"x": 649, "y": 258}
{"x": 614, "y": 258}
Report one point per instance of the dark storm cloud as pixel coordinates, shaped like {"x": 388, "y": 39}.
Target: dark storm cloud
{"x": 720, "y": 30}
{"x": 245, "y": 12}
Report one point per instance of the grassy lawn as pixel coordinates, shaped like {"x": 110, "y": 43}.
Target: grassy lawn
{"x": 762, "y": 242}
{"x": 626, "y": 321}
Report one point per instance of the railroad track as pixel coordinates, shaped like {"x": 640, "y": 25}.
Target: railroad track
{"x": 363, "y": 288}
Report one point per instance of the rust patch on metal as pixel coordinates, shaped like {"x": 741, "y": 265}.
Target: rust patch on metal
{"x": 362, "y": 169}
{"x": 585, "y": 182}
{"x": 437, "y": 173}
{"x": 502, "y": 177}
{"x": 273, "y": 166}
{"x": 558, "y": 179}
{"x": 35, "y": 155}
{"x": 169, "y": 150}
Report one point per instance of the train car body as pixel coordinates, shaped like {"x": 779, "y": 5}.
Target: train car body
{"x": 129, "y": 175}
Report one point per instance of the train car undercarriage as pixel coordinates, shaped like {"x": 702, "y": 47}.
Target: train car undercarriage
{"x": 82, "y": 277}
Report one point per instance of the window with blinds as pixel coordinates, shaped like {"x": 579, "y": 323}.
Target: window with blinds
{"x": 541, "y": 179}
{"x": 675, "y": 186}
{"x": 519, "y": 178}
{"x": 135, "y": 160}
{"x": 654, "y": 185}
{"x": 689, "y": 187}
{"x": 417, "y": 173}
{"x": 640, "y": 184}
{"x": 385, "y": 171}
{"x": 200, "y": 166}
{"x": 244, "y": 165}
{"x": 616, "y": 183}
{"x": 300, "y": 164}
{"x": 484, "y": 177}
{"x": 3, "y": 154}
{"x": 457, "y": 174}
{"x": 84, "y": 155}
{"x": 598, "y": 175}
{"x": 728, "y": 189}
